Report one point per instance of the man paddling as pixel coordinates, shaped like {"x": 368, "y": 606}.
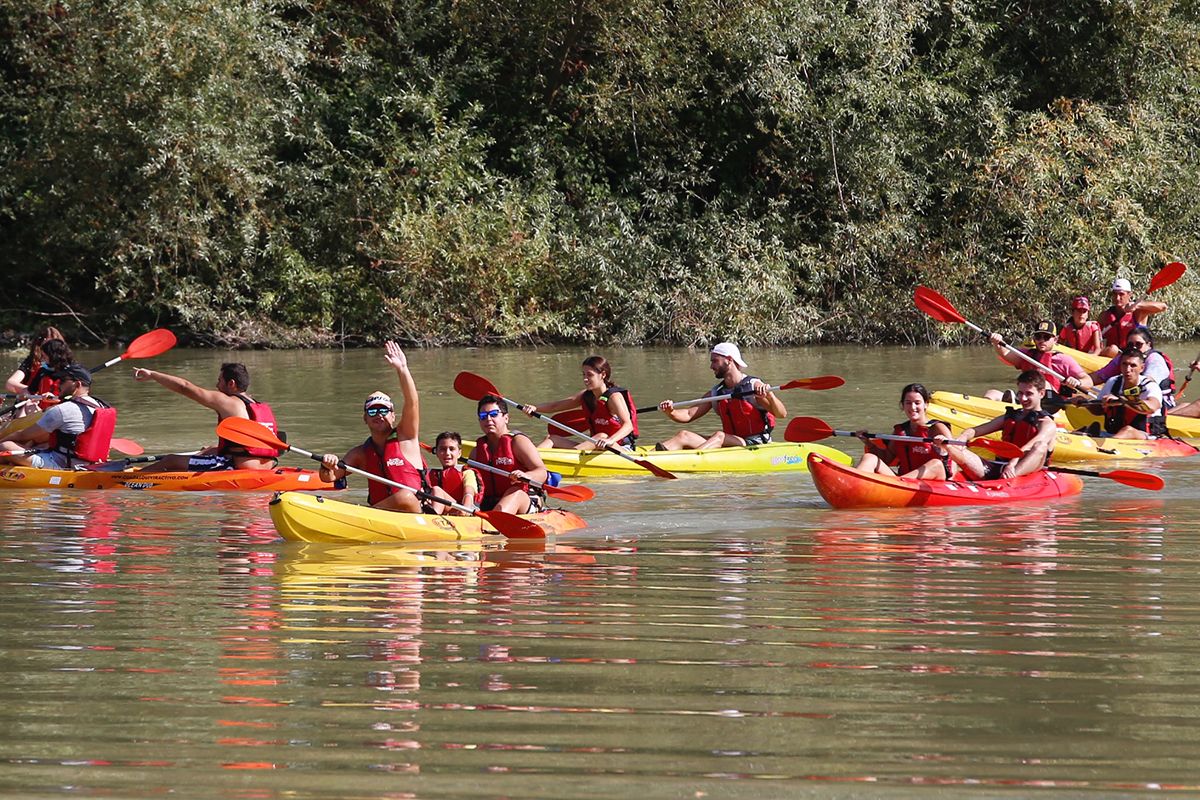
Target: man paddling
{"x": 230, "y": 399}
{"x": 747, "y": 418}
{"x": 1119, "y": 320}
{"x": 392, "y": 450}
{"x": 1131, "y": 402}
{"x": 78, "y": 430}
{"x": 1029, "y": 427}
{"x": 1044, "y": 338}
{"x": 511, "y": 451}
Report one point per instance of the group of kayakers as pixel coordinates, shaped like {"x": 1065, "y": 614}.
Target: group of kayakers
{"x": 1137, "y": 391}
{"x": 77, "y": 432}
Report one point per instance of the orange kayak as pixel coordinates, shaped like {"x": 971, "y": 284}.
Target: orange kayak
{"x": 846, "y": 487}
{"x": 229, "y": 480}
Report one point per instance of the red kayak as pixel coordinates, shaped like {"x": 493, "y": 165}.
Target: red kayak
{"x": 846, "y": 487}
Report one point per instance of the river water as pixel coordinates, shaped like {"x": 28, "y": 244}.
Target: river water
{"x": 720, "y": 636}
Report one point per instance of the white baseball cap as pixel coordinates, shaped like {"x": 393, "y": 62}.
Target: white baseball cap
{"x": 730, "y": 350}
{"x": 379, "y": 399}
{"x": 1121, "y": 285}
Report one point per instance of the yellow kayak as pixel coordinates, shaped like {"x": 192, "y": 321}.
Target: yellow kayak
{"x": 962, "y": 411}
{"x": 313, "y": 518}
{"x": 773, "y": 457}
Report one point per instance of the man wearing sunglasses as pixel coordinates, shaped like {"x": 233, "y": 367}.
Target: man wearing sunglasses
{"x": 1045, "y": 336}
{"x": 392, "y": 450}
{"x": 511, "y": 451}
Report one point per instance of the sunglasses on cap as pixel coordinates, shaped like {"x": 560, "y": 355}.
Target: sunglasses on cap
{"x": 492, "y": 414}
{"x": 378, "y": 411}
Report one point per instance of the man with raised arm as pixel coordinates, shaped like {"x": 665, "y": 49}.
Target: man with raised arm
{"x": 229, "y": 399}
{"x": 393, "y": 449}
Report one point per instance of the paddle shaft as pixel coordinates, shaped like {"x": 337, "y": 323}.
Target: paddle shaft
{"x": 895, "y": 437}
{"x": 699, "y": 401}
{"x": 541, "y": 487}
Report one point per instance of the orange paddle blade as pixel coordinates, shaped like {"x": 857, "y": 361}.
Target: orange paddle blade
{"x": 572, "y": 494}
{"x": 807, "y": 429}
{"x": 473, "y": 387}
{"x": 1000, "y": 448}
{"x": 930, "y": 302}
{"x": 249, "y": 433}
{"x": 512, "y": 526}
{"x": 1138, "y": 480}
{"x": 820, "y": 382}
{"x": 156, "y": 342}
{"x": 127, "y": 446}
{"x": 1167, "y": 275}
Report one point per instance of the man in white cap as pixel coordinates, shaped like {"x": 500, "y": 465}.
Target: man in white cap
{"x": 392, "y": 450}
{"x": 1125, "y": 314}
{"x": 747, "y": 417}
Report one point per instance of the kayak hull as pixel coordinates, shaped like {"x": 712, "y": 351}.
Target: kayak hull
{"x": 845, "y": 487}
{"x": 313, "y": 518}
{"x": 773, "y": 457}
{"x": 962, "y": 411}
{"x": 230, "y": 480}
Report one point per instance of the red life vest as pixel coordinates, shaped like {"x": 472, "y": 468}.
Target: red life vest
{"x": 601, "y": 418}
{"x": 741, "y": 416}
{"x": 452, "y": 481}
{"x": 390, "y": 463}
{"x": 40, "y": 381}
{"x": 1078, "y": 338}
{"x": 910, "y": 455}
{"x": 502, "y": 458}
{"x": 93, "y": 444}
{"x": 262, "y": 414}
{"x": 1116, "y": 325}
{"x": 1022, "y": 426}
{"x": 1045, "y": 359}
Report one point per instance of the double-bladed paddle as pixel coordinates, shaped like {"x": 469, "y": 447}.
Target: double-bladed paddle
{"x": 572, "y": 493}
{"x": 1170, "y": 272}
{"x": 474, "y": 387}
{"x": 148, "y": 345}
{"x": 812, "y": 429}
{"x": 249, "y": 433}
{"x": 816, "y": 384}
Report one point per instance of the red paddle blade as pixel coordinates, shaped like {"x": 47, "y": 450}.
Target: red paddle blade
{"x": 127, "y": 446}
{"x": 930, "y": 302}
{"x": 807, "y": 429}
{"x": 1000, "y": 448}
{"x": 575, "y": 418}
{"x": 1139, "y": 480}
{"x": 511, "y": 525}
{"x": 820, "y": 382}
{"x": 1167, "y": 275}
{"x": 156, "y": 342}
{"x": 249, "y": 433}
{"x": 572, "y": 494}
{"x": 473, "y": 387}
{"x": 654, "y": 469}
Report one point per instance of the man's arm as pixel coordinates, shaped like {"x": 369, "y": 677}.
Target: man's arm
{"x": 223, "y": 404}
{"x": 409, "y": 426}
{"x": 528, "y": 459}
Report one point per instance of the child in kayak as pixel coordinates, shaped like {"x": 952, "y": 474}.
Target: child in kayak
{"x": 922, "y": 460}
{"x": 1081, "y": 333}
{"x": 606, "y": 411}
{"x": 1028, "y": 427}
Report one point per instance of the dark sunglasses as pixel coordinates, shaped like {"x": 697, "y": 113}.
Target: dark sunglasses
{"x": 378, "y": 411}
{"x": 1040, "y": 336}
{"x": 495, "y": 412}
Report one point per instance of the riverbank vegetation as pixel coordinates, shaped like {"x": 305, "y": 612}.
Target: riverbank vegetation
{"x": 270, "y": 173}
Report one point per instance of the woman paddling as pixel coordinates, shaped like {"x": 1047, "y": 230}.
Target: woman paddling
{"x": 611, "y": 416}
{"x": 922, "y": 460}
{"x": 36, "y": 374}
